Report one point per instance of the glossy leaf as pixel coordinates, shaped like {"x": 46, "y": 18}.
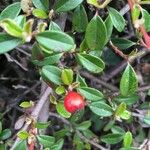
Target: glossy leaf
{"x": 5, "y": 134}
{"x": 120, "y": 109}
{"x": 125, "y": 115}
{"x": 127, "y": 141}
{"x": 12, "y": 11}
{"x": 50, "y": 60}
{"x": 67, "y": 76}
{"x": 117, "y": 19}
{"x": 80, "y": 19}
{"x": 81, "y": 81}
{"x": 11, "y": 28}
{"x": 112, "y": 138}
{"x": 128, "y": 83}
{"x": 96, "y": 33}
{"x": 42, "y": 125}
{"x": 54, "y": 26}
{"x": 41, "y": 4}
{"x": 58, "y": 145}
{"x": 21, "y": 145}
{"x": 8, "y": 42}
{"x": 91, "y": 63}
{"x": 66, "y": 5}
{"x": 84, "y": 125}
{"x": 122, "y": 43}
{"x": 60, "y": 90}
{"x": 39, "y": 13}
{"x": 23, "y": 135}
{"x": 146, "y": 17}
{"x": 56, "y": 41}
{"x": 147, "y": 119}
{"x": 118, "y": 130}
{"x": 109, "y": 27}
{"x": 101, "y": 109}
{"x": 45, "y": 140}
{"x": 91, "y": 94}
{"x": 20, "y": 20}
{"x": 51, "y": 73}
{"x": 62, "y": 111}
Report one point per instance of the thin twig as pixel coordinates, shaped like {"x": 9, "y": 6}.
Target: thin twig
{"x": 65, "y": 121}
{"x": 35, "y": 112}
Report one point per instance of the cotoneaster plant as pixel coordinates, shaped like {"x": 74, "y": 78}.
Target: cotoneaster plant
{"x": 72, "y": 43}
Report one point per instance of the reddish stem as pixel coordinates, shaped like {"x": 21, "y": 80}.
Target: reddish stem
{"x": 131, "y": 4}
{"x": 31, "y": 146}
{"x": 146, "y": 37}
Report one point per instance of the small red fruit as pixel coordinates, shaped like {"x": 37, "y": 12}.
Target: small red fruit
{"x": 73, "y": 101}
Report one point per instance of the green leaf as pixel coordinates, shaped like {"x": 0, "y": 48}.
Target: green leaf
{"x": 117, "y": 19}
{"x": 91, "y": 94}
{"x": 58, "y": 145}
{"x": 127, "y": 141}
{"x": 146, "y": 17}
{"x": 60, "y": 90}
{"x": 46, "y": 141}
{"x": 22, "y": 145}
{"x": 11, "y": 28}
{"x": 55, "y": 40}
{"x": 126, "y": 115}
{"x": 52, "y": 73}
{"x": 128, "y": 83}
{"x": 1, "y": 127}
{"x": 12, "y": 11}
{"x": 23, "y": 135}
{"x": 91, "y": 63}
{"x": 62, "y": 111}
{"x": 39, "y": 13}
{"x": 118, "y": 130}
{"x": 122, "y": 43}
{"x": 67, "y": 76}
{"x": 120, "y": 109}
{"x": 2, "y": 146}
{"x": 42, "y": 125}
{"x": 50, "y": 60}
{"x": 109, "y": 125}
{"x": 20, "y": 20}
{"x": 99, "y": 3}
{"x": 81, "y": 80}
{"x": 54, "y": 26}
{"x": 26, "y": 104}
{"x": 96, "y": 33}
{"x": 66, "y": 5}
{"x": 101, "y": 109}
{"x": 41, "y": 4}
{"x": 5, "y": 134}
{"x": 147, "y": 119}
{"x": 80, "y": 19}
{"x": 129, "y": 100}
{"x": 109, "y": 27}
{"x": 84, "y": 125}
{"x": 112, "y": 138}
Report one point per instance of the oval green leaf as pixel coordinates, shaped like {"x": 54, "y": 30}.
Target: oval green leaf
{"x": 56, "y": 41}
{"x": 128, "y": 83}
{"x": 117, "y": 19}
{"x": 51, "y": 74}
{"x": 96, "y": 33}
{"x": 101, "y": 109}
{"x": 91, "y": 63}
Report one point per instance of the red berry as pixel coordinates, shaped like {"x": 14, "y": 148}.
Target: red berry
{"x": 73, "y": 101}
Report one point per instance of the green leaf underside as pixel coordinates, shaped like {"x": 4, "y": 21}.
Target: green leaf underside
{"x": 41, "y": 4}
{"x": 66, "y": 5}
{"x": 101, "y": 109}
{"x": 96, "y": 33}
{"x": 128, "y": 83}
{"x": 91, "y": 94}
{"x": 8, "y": 42}
{"x": 91, "y": 63}
{"x": 56, "y": 41}
{"x": 12, "y": 11}
{"x": 52, "y": 74}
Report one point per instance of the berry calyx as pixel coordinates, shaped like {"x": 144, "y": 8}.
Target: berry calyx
{"x": 73, "y": 101}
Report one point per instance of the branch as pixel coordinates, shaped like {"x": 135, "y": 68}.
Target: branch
{"x": 65, "y": 121}
{"x": 35, "y": 113}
